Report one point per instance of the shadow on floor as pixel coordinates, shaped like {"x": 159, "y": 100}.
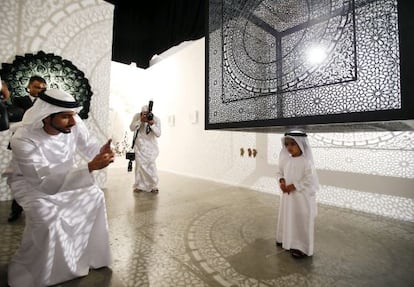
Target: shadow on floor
{"x": 201, "y": 233}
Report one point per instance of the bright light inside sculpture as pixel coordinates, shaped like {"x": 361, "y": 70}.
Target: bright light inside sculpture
{"x": 316, "y": 54}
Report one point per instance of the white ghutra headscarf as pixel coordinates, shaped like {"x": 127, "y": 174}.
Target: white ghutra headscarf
{"x": 50, "y": 102}
{"x": 301, "y": 138}
{"x": 144, "y": 108}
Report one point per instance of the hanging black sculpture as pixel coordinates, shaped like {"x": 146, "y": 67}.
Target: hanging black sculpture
{"x": 272, "y": 64}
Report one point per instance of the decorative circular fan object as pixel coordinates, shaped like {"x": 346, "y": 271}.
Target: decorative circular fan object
{"x": 58, "y": 73}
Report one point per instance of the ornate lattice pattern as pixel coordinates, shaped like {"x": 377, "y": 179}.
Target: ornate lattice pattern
{"x": 69, "y": 29}
{"x": 264, "y": 47}
{"x": 258, "y": 67}
{"x": 381, "y": 204}
{"x": 58, "y": 73}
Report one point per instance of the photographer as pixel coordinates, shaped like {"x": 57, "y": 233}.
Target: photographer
{"x": 146, "y": 128}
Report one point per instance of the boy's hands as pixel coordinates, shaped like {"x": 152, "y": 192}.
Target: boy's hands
{"x": 286, "y": 188}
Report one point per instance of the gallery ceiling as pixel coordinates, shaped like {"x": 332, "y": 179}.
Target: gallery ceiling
{"x": 143, "y": 29}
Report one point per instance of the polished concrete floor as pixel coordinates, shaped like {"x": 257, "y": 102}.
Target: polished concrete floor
{"x": 201, "y": 233}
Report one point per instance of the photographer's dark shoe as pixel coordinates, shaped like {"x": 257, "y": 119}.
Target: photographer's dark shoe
{"x": 16, "y": 211}
{"x": 137, "y": 190}
{"x": 297, "y": 254}
{"x": 13, "y": 216}
{"x": 154, "y": 190}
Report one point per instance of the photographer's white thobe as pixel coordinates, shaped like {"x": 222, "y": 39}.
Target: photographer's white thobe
{"x": 146, "y": 152}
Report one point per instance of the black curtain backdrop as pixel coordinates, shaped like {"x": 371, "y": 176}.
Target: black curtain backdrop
{"x": 143, "y": 29}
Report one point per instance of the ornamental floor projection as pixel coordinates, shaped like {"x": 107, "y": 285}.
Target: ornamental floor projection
{"x": 202, "y": 233}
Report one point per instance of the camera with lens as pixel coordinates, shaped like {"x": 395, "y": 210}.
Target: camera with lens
{"x": 150, "y": 115}
{"x": 131, "y": 157}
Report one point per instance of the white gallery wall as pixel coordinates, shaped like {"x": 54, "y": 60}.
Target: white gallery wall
{"x": 371, "y": 172}
{"x": 77, "y": 30}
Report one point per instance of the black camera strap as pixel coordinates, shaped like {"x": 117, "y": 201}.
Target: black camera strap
{"x": 135, "y": 137}
{"x": 148, "y": 129}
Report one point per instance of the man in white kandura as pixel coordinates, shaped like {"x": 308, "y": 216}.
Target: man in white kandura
{"x": 146, "y": 131}
{"x": 66, "y": 230}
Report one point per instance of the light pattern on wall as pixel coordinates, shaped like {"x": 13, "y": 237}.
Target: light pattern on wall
{"x": 381, "y": 204}
{"x": 382, "y": 153}
{"x": 79, "y": 31}
{"x": 366, "y": 161}
{"x": 387, "y": 154}
{"x": 284, "y": 59}
{"x": 367, "y": 140}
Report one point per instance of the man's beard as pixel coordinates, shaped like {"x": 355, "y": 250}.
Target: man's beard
{"x": 66, "y": 130}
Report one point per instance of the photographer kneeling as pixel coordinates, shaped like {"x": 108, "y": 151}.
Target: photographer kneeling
{"x": 146, "y": 128}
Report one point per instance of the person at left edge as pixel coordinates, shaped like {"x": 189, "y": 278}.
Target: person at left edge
{"x": 36, "y": 85}
{"x": 66, "y": 230}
